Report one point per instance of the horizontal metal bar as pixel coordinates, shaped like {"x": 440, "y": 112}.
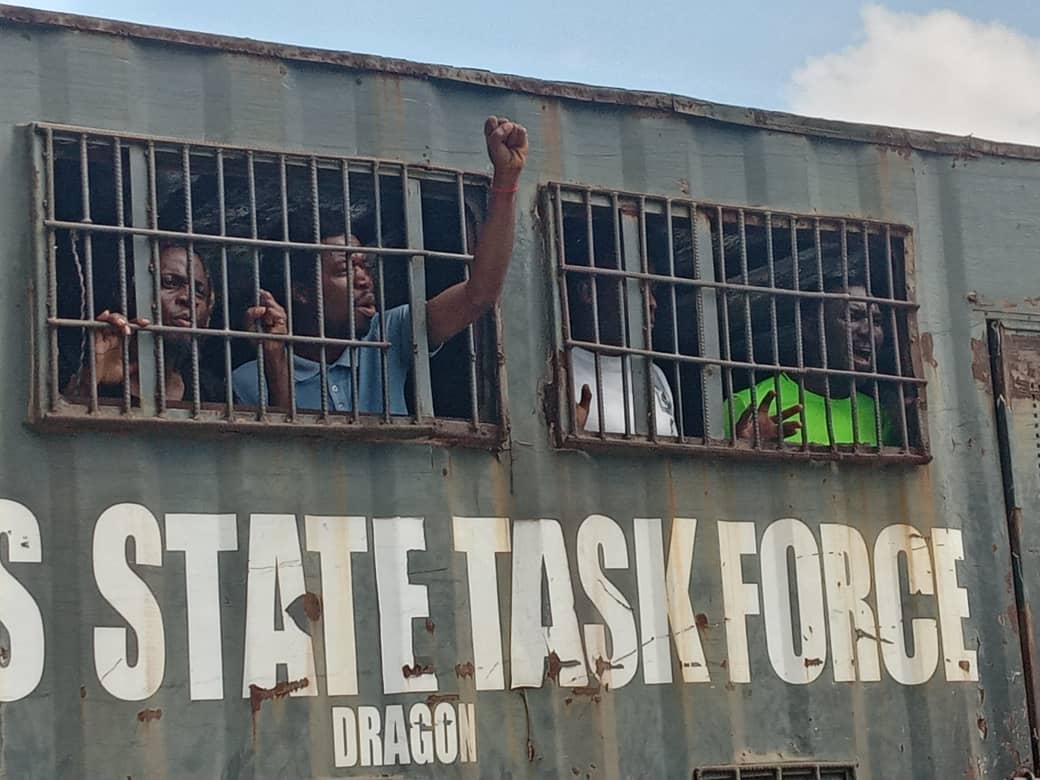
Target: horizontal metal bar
{"x": 740, "y": 449}
{"x": 742, "y": 289}
{"x": 212, "y": 418}
{"x": 64, "y": 322}
{"x": 206, "y": 238}
{"x": 607, "y": 349}
{"x": 418, "y": 170}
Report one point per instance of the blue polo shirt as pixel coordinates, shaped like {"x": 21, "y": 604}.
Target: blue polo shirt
{"x": 370, "y": 373}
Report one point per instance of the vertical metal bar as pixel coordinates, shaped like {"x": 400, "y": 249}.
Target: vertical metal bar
{"x": 143, "y": 211}
{"x": 727, "y": 371}
{"x": 676, "y": 367}
{"x": 896, "y": 346}
{"x": 229, "y": 394}
{"x": 749, "y": 336}
{"x": 290, "y": 350}
{"x": 773, "y": 329}
{"x": 52, "y": 276}
{"x": 261, "y": 374}
{"x": 873, "y": 351}
{"x": 411, "y": 189}
{"x": 647, "y": 364}
{"x": 594, "y": 284}
{"x": 348, "y": 233}
{"x": 822, "y": 325}
{"x": 381, "y": 305}
{"x": 460, "y": 194}
{"x": 196, "y": 401}
{"x": 637, "y": 368}
{"x": 88, "y": 272}
{"x": 556, "y": 225}
{"x": 799, "y": 351}
{"x": 319, "y": 291}
{"x": 853, "y": 390}
{"x": 117, "y": 169}
{"x": 707, "y": 337}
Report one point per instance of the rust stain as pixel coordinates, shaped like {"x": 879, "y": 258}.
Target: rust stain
{"x": 430, "y": 625}
{"x": 1012, "y": 617}
{"x": 552, "y": 671}
{"x": 464, "y": 670}
{"x": 591, "y": 691}
{"x": 980, "y": 363}
{"x": 964, "y": 665}
{"x": 983, "y": 727}
{"x": 258, "y": 695}
{"x": 417, "y": 670}
{"x": 928, "y": 350}
{"x": 312, "y": 606}
{"x": 603, "y": 665}
{"x": 437, "y": 698}
{"x": 83, "y": 691}
{"x": 702, "y": 619}
{"x": 1022, "y": 358}
{"x": 813, "y": 662}
{"x": 146, "y": 715}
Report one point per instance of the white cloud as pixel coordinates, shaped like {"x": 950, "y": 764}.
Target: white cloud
{"x": 937, "y": 71}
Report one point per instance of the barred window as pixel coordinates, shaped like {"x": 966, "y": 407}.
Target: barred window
{"x": 193, "y": 283}
{"x": 784, "y": 771}
{"x": 694, "y": 326}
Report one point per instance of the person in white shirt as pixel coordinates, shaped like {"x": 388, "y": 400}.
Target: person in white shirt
{"x": 616, "y": 380}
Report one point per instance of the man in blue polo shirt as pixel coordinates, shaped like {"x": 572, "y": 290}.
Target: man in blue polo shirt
{"x": 447, "y": 314}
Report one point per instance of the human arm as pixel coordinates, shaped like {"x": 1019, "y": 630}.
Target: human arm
{"x": 270, "y": 316}
{"x": 465, "y": 302}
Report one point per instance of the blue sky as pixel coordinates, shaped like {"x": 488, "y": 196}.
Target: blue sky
{"x": 742, "y": 53}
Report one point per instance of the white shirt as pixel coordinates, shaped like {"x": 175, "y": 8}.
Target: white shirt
{"x": 615, "y": 404}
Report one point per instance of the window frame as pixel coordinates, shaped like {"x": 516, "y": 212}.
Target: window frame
{"x": 50, "y": 410}
{"x": 559, "y": 397}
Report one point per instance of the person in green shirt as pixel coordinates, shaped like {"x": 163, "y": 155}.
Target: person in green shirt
{"x": 808, "y": 415}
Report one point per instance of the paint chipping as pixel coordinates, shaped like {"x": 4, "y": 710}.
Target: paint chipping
{"x": 416, "y": 670}
{"x": 436, "y": 698}
{"x": 147, "y": 715}
{"x": 312, "y": 606}
{"x": 983, "y": 727}
{"x": 813, "y": 662}
{"x": 258, "y": 695}
{"x": 464, "y": 670}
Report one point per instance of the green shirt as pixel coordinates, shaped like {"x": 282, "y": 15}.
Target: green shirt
{"x": 814, "y": 415}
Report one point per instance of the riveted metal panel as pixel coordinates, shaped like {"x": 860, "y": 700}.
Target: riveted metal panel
{"x": 70, "y": 496}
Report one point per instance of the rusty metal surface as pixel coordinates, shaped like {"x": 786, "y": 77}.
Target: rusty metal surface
{"x": 607, "y": 521}
{"x": 907, "y": 140}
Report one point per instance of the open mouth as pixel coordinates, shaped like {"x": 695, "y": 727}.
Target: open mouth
{"x": 861, "y": 360}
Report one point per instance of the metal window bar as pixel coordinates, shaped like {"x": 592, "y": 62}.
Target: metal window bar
{"x": 853, "y": 389}
{"x": 471, "y": 348}
{"x": 354, "y": 354}
{"x": 749, "y": 338}
{"x": 822, "y": 338}
{"x": 727, "y": 371}
{"x": 229, "y": 392}
{"x": 680, "y": 421}
{"x": 290, "y": 352}
{"x": 873, "y": 350}
{"x": 196, "y": 401}
{"x": 381, "y": 297}
{"x": 594, "y": 286}
{"x": 799, "y": 344}
{"x": 261, "y": 374}
{"x": 117, "y": 166}
{"x": 623, "y": 312}
{"x": 411, "y": 206}
{"x": 88, "y": 271}
{"x": 146, "y": 155}
{"x": 319, "y": 293}
{"x": 896, "y": 341}
{"x": 774, "y": 330}
{"x": 647, "y": 328}
{"x": 555, "y": 204}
